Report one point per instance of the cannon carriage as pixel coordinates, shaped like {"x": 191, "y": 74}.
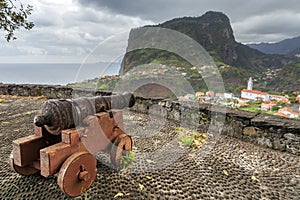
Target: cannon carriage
{"x": 67, "y": 135}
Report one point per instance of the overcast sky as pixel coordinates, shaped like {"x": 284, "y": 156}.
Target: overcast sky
{"x": 67, "y": 31}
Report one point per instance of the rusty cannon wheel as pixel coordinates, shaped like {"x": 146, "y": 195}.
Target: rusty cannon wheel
{"x": 122, "y": 145}
{"x": 77, "y": 173}
{"x": 24, "y": 171}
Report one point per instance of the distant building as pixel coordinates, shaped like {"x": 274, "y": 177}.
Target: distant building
{"x": 219, "y": 94}
{"x": 255, "y": 95}
{"x": 243, "y": 102}
{"x": 268, "y": 105}
{"x": 285, "y": 100}
{"x": 279, "y": 98}
{"x": 228, "y": 95}
{"x": 189, "y": 96}
{"x": 183, "y": 73}
{"x": 199, "y": 94}
{"x": 250, "y": 84}
{"x": 287, "y": 112}
{"x": 210, "y": 94}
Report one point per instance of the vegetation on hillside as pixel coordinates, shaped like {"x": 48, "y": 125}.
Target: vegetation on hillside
{"x": 287, "y": 79}
{"x": 155, "y": 56}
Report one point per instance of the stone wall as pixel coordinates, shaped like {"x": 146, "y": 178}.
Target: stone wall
{"x": 50, "y": 91}
{"x": 266, "y": 130}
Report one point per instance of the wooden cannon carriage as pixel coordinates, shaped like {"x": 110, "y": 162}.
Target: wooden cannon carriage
{"x": 68, "y": 134}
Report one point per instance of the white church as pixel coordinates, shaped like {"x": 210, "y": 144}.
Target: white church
{"x": 249, "y": 93}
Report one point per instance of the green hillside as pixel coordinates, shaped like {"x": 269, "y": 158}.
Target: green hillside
{"x": 287, "y": 79}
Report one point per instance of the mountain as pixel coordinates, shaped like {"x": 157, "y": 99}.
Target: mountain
{"x": 288, "y": 46}
{"x": 236, "y": 61}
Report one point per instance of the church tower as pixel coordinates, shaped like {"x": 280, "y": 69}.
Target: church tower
{"x": 250, "y": 84}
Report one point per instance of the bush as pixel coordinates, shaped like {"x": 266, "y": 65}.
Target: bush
{"x": 275, "y": 108}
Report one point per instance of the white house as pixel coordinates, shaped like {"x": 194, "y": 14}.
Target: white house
{"x": 255, "y": 95}
{"x": 228, "y": 95}
{"x": 242, "y": 102}
{"x": 189, "y": 96}
{"x": 277, "y": 97}
{"x": 286, "y": 112}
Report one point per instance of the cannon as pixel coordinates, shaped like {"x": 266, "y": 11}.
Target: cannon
{"x": 67, "y": 135}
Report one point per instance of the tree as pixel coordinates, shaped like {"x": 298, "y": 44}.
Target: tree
{"x": 275, "y": 108}
{"x": 13, "y": 16}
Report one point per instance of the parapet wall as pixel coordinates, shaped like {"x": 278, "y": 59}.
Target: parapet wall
{"x": 266, "y": 130}
{"x": 50, "y": 91}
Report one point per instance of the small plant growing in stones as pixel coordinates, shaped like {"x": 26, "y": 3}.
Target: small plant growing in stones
{"x": 126, "y": 161}
{"x": 187, "y": 140}
{"x": 191, "y": 138}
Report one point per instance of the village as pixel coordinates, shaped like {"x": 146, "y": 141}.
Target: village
{"x": 253, "y": 101}
{"x": 285, "y": 105}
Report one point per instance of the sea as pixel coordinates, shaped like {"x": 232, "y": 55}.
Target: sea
{"x": 54, "y": 74}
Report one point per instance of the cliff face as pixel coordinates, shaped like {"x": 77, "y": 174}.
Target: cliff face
{"x": 212, "y": 31}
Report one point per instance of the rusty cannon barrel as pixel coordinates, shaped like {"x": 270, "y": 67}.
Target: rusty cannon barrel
{"x": 66, "y": 113}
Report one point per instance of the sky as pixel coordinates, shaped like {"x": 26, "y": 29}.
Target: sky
{"x": 68, "y": 31}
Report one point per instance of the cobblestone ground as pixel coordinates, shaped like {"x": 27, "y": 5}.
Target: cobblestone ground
{"x": 224, "y": 168}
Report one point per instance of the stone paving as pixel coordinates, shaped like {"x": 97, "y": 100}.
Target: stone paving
{"x": 224, "y": 168}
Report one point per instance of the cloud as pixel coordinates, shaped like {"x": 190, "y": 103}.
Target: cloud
{"x": 158, "y": 10}
{"x": 269, "y": 19}
{"x": 270, "y": 27}
{"x": 69, "y": 30}
{"x": 66, "y": 29}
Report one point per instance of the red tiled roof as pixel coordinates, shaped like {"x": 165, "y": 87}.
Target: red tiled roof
{"x": 269, "y": 102}
{"x": 200, "y": 93}
{"x": 277, "y": 96}
{"x": 288, "y": 110}
{"x": 254, "y": 92}
{"x": 244, "y": 99}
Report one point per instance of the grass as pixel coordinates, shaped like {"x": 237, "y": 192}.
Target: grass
{"x": 187, "y": 140}
{"x": 255, "y": 106}
{"x": 190, "y": 138}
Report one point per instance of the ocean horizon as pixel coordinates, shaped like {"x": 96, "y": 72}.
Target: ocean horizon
{"x": 54, "y": 74}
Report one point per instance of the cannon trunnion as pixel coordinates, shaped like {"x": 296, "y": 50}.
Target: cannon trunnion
{"x": 67, "y": 135}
